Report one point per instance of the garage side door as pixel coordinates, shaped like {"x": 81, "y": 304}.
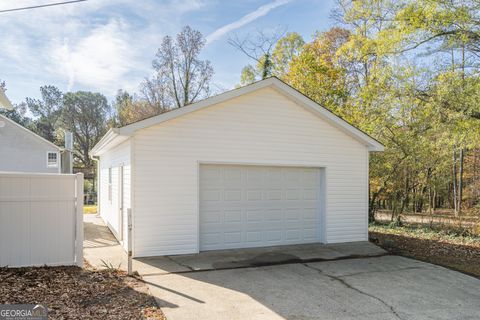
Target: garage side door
{"x": 256, "y": 206}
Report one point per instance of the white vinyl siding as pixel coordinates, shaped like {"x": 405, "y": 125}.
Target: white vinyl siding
{"x": 24, "y": 151}
{"x": 110, "y": 164}
{"x": 261, "y": 128}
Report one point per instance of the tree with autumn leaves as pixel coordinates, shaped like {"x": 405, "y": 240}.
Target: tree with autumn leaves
{"x": 407, "y": 73}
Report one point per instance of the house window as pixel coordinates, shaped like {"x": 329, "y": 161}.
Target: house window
{"x": 52, "y": 159}
{"x": 110, "y": 185}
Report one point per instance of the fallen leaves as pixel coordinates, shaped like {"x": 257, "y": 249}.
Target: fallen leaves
{"x": 437, "y": 248}
{"x": 74, "y": 293}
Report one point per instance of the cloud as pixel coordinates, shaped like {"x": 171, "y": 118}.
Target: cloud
{"x": 99, "y": 45}
{"x": 246, "y": 19}
{"x": 100, "y": 59}
{"x": 62, "y": 53}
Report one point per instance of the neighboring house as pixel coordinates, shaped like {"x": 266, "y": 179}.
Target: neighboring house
{"x": 21, "y": 150}
{"x": 4, "y": 101}
{"x": 260, "y": 165}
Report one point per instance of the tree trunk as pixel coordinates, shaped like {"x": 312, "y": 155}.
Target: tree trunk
{"x": 414, "y": 200}
{"x": 476, "y": 189}
{"x": 460, "y": 181}
{"x": 430, "y": 200}
{"x": 454, "y": 168}
{"x": 371, "y": 208}
{"x": 406, "y": 199}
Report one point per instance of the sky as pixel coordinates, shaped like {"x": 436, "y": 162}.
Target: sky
{"x": 107, "y": 45}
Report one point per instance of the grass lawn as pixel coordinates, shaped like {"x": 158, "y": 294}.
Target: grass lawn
{"x": 89, "y": 209}
{"x": 455, "y": 249}
{"x": 74, "y": 293}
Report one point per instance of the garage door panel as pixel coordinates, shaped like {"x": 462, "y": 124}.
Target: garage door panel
{"x": 232, "y": 195}
{"x": 310, "y": 213}
{"x": 254, "y": 194}
{"x": 293, "y": 177}
{"x": 293, "y": 234}
{"x": 273, "y": 215}
{"x": 293, "y": 214}
{"x": 310, "y": 194}
{"x": 273, "y": 235}
{"x": 253, "y": 206}
{"x": 233, "y": 216}
{"x": 310, "y": 234}
{"x": 211, "y": 239}
{"x": 274, "y": 194}
{"x": 254, "y": 215}
{"x": 232, "y": 175}
{"x": 311, "y": 180}
{"x": 254, "y": 236}
{"x": 212, "y": 174}
{"x": 211, "y": 195}
{"x": 211, "y": 216}
{"x": 293, "y": 194}
{"x": 233, "y": 237}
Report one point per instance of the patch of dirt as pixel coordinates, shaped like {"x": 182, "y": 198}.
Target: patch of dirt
{"x": 453, "y": 255}
{"x": 74, "y": 293}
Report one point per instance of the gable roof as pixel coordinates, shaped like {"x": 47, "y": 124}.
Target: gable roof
{"x": 116, "y": 136}
{"x": 31, "y": 133}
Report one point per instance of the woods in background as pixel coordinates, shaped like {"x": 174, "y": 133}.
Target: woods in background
{"x": 406, "y": 72}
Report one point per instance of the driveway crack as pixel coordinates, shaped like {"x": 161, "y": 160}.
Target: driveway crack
{"x": 348, "y": 285}
{"x": 381, "y": 271}
{"x": 179, "y": 263}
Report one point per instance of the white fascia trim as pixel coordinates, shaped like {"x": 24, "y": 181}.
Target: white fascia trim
{"x": 106, "y": 140}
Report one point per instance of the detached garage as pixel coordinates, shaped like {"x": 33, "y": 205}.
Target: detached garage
{"x": 257, "y": 166}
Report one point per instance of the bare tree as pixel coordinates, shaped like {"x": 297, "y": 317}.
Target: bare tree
{"x": 154, "y": 93}
{"x": 182, "y": 77}
{"x": 259, "y": 47}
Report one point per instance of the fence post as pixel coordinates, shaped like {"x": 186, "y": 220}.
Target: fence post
{"x": 129, "y": 241}
{"x": 79, "y": 220}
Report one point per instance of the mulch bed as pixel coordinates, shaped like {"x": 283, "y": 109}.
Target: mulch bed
{"x": 74, "y": 293}
{"x": 453, "y": 255}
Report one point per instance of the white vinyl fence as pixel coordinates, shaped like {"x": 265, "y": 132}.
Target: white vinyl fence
{"x": 41, "y": 219}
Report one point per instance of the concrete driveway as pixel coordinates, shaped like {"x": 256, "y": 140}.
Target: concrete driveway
{"x": 294, "y": 282}
{"x": 388, "y": 287}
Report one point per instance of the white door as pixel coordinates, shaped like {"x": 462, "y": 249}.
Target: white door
{"x": 120, "y": 203}
{"x": 257, "y": 206}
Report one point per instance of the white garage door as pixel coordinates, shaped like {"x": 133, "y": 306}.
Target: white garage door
{"x": 256, "y": 206}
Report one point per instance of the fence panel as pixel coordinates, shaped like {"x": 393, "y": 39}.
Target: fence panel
{"x": 41, "y": 219}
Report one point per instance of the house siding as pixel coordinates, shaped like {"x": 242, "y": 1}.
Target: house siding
{"x": 262, "y": 127}
{"x": 109, "y": 210}
{"x": 22, "y": 151}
